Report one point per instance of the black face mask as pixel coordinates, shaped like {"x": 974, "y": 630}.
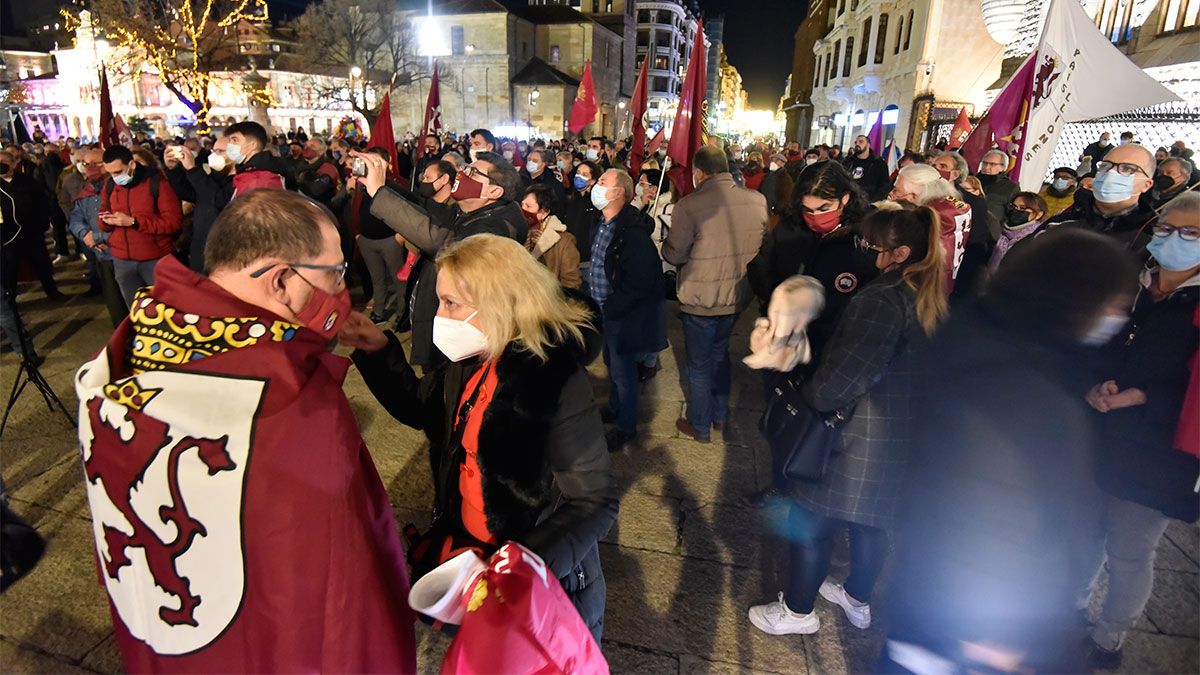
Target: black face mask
{"x": 1014, "y": 217}
{"x": 5, "y": 167}
{"x": 427, "y": 190}
{"x": 1163, "y": 182}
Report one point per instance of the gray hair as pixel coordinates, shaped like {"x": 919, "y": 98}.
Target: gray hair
{"x": 995, "y": 151}
{"x": 960, "y": 162}
{"x": 1184, "y": 164}
{"x": 928, "y": 183}
{"x": 547, "y": 156}
{"x": 624, "y": 181}
{"x": 1188, "y": 201}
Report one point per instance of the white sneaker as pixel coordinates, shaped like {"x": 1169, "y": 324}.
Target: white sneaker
{"x": 776, "y": 619}
{"x": 859, "y": 615}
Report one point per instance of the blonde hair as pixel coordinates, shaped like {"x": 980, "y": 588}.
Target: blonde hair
{"x": 518, "y": 300}
{"x": 892, "y": 226}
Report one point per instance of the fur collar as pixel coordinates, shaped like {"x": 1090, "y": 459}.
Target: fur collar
{"x": 512, "y": 452}
{"x": 552, "y": 230}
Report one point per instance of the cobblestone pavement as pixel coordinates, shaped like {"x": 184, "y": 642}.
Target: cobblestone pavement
{"x": 683, "y": 563}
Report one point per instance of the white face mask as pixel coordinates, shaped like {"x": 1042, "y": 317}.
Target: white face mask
{"x": 533, "y": 167}
{"x": 1105, "y": 329}
{"x": 599, "y": 197}
{"x": 458, "y": 340}
{"x": 474, "y": 153}
{"x": 639, "y": 190}
{"x": 508, "y": 154}
{"x": 216, "y": 162}
{"x": 773, "y": 166}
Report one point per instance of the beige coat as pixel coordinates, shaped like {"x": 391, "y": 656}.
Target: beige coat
{"x": 556, "y": 249}
{"x": 715, "y": 232}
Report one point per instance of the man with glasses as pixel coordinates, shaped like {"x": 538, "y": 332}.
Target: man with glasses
{"x": 998, "y": 188}
{"x": 1113, "y": 206}
{"x": 84, "y": 223}
{"x": 484, "y": 194}
{"x": 238, "y": 512}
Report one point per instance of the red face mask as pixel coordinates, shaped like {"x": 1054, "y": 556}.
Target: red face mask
{"x": 823, "y": 223}
{"x": 466, "y": 187}
{"x": 531, "y": 219}
{"x": 944, "y": 174}
{"x": 325, "y": 312}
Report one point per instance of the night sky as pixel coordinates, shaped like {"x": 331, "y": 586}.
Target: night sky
{"x": 758, "y": 39}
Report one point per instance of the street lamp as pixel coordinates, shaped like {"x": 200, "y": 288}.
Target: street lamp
{"x": 355, "y": 72}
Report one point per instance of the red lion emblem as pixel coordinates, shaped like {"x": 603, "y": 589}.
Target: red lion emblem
{"x": 121, "y": 474}
{"x": 1043, "y": 80}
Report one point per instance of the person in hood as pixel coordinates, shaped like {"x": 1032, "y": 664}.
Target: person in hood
{"x": 142, "y": 214}
{"x": 1059, "y": 193}
{"x": 256, "y": 168}
{"x": 484, "y": 195}
{"x": 548, "y": 240}
{"x": 1022, "y": 219}
{"x": 517, "y": 441}
{"x": 237, "y": 511}
{"x": 1149, "y": 466}
{"x": 998, "y": 188}
{"x": 999, "y": 501}
{"x": 1113, "y": 206}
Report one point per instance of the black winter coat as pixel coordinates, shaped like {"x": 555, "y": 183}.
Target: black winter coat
{"x": 1140, "y": 463}
{"x": 634, "y": 269}
{"x": 871, "y": 174}
{"x": 834, "y": 260}
{"x": 209, "y": 193}
{"x": 581, "y": 220}
{"x": 1128, "y": 227}
{"x": 25, "y": 209}
{"x": 546, "y": 473}
{"x": 429, "y": 227}
{"x": 999, "y": 505}
{"x": 998, "y": 191}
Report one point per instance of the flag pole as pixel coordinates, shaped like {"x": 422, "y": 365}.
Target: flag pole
{"x": 658, "y": 194}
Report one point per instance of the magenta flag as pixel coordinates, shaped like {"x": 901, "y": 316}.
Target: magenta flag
{"x": 1002, "y": 124}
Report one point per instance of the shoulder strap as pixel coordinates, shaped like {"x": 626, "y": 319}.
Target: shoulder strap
{"x": 155, "y": 179}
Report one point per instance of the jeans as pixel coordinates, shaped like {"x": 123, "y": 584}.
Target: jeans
{"x": 812, "y": 548}
{"x": 132, "y": 275}
{"x": 383, "y": 258}
{"x": 706, "y": 341}
{"x": 1132, "y": 535}
{"x": 623, "y": 380}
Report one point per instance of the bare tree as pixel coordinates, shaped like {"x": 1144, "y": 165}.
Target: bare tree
{"x": 186, "y": 41}
{"x": 371, "y": 38}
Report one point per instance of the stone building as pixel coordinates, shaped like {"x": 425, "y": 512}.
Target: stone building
{"x": 666, "y": 31}
{"x": 797, "y": 103}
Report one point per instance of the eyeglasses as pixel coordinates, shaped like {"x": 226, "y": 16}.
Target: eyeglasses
{"x": 1124, "y": 168}
{"x": 865, "y": 245}
{"x": 472, "y": 172}
{"x": 1185, "y": 233}
{"x": 994, "y": 163}
{"x": 339, "y": 269}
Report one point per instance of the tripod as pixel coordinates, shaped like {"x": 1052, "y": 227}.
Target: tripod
{"x": 28, "y": 372}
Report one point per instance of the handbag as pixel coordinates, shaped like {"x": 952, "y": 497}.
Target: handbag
{"x": 803, "y": 436}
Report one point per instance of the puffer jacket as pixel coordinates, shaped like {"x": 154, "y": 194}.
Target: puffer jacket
{"x": 546, "y": 475}
{"x": 152, "y": 235}
{"x": 715, "y": 232}
{"x": 84, "y": 218}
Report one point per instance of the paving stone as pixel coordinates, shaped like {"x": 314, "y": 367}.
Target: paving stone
{"x": 1174, "y": 605}
{"x": 1170, "y": 557}
{"x": 105, "y": 658}
{"x": 730, "y": 534}
{"x": 626, "y": 660}
{"x": 17, "y": 658}
{"x": 431, "y": 649}
{"x": 1153, "y": 653}
{"x": 694, "y": 472}
{"x": 647, "y": 522}
{"x": 694, "y": 665}
{"x": 59, "y": 608}
{"x": 1187, "y": 537}
{"x": 60, "y": 487}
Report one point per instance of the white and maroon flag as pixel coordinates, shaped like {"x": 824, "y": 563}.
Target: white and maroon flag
{"x": 1077, "y": 75}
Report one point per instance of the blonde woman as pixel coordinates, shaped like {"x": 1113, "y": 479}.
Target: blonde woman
{"x": 516, "y": 443}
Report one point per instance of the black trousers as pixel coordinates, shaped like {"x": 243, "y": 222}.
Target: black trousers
{"x": 812, "y": 548}
{"x": 111, "y": 292}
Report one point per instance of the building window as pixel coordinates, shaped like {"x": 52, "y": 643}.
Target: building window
{"x": 817, "y": 73}
{"x": 1113, "y": 20}
{"x": 1180, "y": 14}
{"x": 608, "y": 6}
{"x": 828, "y": 66}
{"x": 899, "y": 34}
{"x": 866, "y": 43}
{"x": 908, "y": 35}
{"x": 608, "y": 55}
{"x": 458, "y": 42}
{"x": 846, "y": 61}
{"x": 555, "y": 54}
{"x": 837, "y": 54}
{"x": 853, "y": 5}
{"x": 841, "y": 7}
{"x": 524, "y": 50}
{"x": 643, "y": 15}
{"x": 660, "y": 63}
{"x": 881, "y": 38}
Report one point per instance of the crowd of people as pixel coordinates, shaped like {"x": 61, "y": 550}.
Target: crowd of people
{"x": 954, "y": 304}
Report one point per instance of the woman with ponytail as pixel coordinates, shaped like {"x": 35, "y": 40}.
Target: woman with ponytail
{"x": 865, "y": 373}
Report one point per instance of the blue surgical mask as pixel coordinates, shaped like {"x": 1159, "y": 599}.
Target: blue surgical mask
{"x": 600, "y": 197}
{"x": 1061, "y": 184}
{"x": 1175, "y": 254}
{"x": 233, "y": 153}
{"x": 123, "y": 180}
{"x": 592, "y": 154}
{"x": 580, "y": 183}
{"x": 1111, "y": 187}
{"x": 337, "y": 154}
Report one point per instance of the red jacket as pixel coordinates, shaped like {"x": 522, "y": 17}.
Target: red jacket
{"x": 156, "y": 222}
{"x": 955, "y": 218}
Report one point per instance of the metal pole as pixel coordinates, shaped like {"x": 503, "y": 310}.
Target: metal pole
{"x": 658, "y": 193}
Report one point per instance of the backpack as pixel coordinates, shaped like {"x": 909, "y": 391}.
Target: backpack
{"x": 155, "y": 179}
